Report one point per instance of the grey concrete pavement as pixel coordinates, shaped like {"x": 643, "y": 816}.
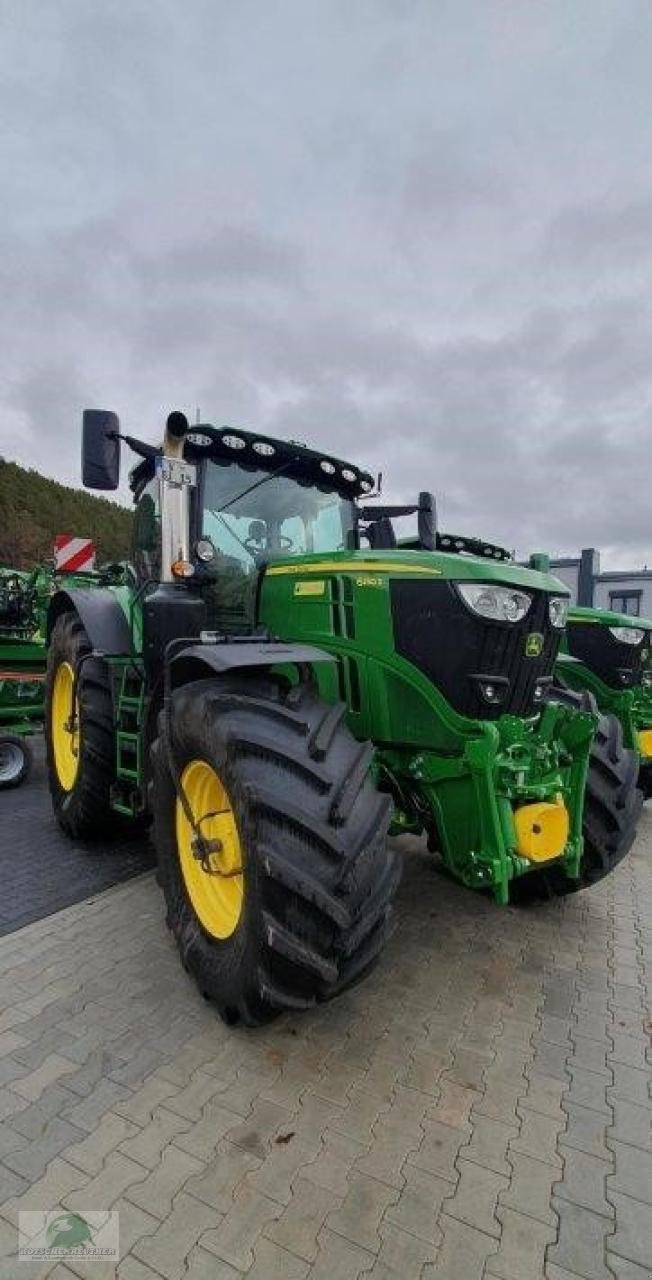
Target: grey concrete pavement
{"x": 479, "y": 1107}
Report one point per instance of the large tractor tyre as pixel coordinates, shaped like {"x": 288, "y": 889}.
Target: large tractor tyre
{"x": 612, "y": 802}
{"x": 80, "y": 752}
{"x": 293, "y": 902}
{"x": 15, "y": 761}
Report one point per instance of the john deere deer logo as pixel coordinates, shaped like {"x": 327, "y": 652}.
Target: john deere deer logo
{"x": 533, "y": 644}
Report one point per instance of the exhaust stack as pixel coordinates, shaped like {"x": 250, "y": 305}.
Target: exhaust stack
{"x": 175, "y": 433}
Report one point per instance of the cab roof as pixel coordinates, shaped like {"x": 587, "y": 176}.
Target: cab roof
{"x": 254, "y": 451}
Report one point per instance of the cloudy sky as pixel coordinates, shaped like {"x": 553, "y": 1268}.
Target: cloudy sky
{"x": 415, "y": 233}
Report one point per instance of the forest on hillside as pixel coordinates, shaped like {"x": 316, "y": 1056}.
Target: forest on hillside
{"x": 34, "y": 509}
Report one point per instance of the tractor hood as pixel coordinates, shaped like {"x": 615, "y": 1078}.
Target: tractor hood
{"x": 607, "y": 618}
{"x": 437, "y": 565}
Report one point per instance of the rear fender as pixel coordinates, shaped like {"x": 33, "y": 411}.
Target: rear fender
{"x": 99, "y": 613}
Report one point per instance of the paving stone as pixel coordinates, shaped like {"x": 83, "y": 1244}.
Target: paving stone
{"x": 32, "y": 1120}
{"x": 539, "y": 1137}
{"x": 522, "y": 1249}
{"x": 146, "y": 1145}
{"x": 155, "y": 1193}
{"x": 236, "y": 1236}
{"x": 630, "y": 1085}
{"x": 218, "y": 1182}
{"x": 139, "y": 1107}
{"x": 202, "y": 1138}
{"x": 439, "y": 1149}
{"x": 32, "y": 1159}
{"x": 401, "y": 1255}
{"x": 469, "y": 1067}
{"x": 550, "y": 1060}
{"x": 277, "y": 1173}
{"x": 633, "y": 1173}
{"x": 361, "y": 1211}
{"x": 275, "y": 1263}
{"x": 586, "y": 1130}
{"x": 300, "y": 1223}
{"x": 11, "y": 1185}
{"x": 256, "y": 1134}
{"x": 583, "y": 1181}
{"x": 419, "y": 1204}
{"x": 589, "y": 1090}
{"x": 116, "y": 1175}
{"x": 203, "y": 1265}
{"x": 360, "y": 1116}
{"x": 463, "y": 1253}
{"x": 333, "y": 1161}
{"x": 580, "y": 1247}
{"x": 544, "y": 1094}
{"x": 108, "y": 1095}
{"x": 631, "y": 1050}
{"x": 339, "y": 1259}
{"x": 624, "y": 1270}
{"x": 91, "y": 1151}
{"x": 58, "y": 1180}
{"x": 530, "y": 1188}
{"x": 167, "y": 1249}
{"x": 489, "y": 1142}
{"x": 591, "y": 1055}
{"x": 454, "y": 1104}
{"x": 476, "y": 1197}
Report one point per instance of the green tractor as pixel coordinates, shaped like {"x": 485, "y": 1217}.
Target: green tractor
{"x": 607, "y": 656}
{"x": 279, "y": 687}
{"x": 22, "y": 670}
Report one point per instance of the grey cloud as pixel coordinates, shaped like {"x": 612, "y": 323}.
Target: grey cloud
{"x": 415, "y": 235}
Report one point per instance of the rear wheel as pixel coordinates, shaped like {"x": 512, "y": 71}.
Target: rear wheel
{"x": 15, "y": 761}
{"x": 612, "y": 804}
{"x": 79, "y": 734}
{"x": 289, "y": 899}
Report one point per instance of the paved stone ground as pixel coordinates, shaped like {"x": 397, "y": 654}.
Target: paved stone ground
{"x": 480, "y": 1107}
{"x": 42, "y": 871}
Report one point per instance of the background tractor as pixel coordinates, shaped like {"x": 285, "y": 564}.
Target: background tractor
{"x": 607, "y": 655}
{"x": 23, "y": 606}
{"x": 279, "y": 686}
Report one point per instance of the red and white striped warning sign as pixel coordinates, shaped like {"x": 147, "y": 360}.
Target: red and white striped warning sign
{"x": 72, "y": 554}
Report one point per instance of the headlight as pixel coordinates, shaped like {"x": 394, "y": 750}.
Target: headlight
{"x": 205, "y": 551}
{"x": 628, "y": 635}
{"x": 501, "y": 604}
{"x": 558, "y": 610}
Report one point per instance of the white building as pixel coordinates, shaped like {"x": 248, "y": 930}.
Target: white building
{"x": 624, "y": 590}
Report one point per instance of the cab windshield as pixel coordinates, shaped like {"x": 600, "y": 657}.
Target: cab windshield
{"x": 275, "y": 516}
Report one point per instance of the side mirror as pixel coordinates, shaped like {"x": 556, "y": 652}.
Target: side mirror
{"x": 427, "y": 522}
{"x": 100, "y": 449}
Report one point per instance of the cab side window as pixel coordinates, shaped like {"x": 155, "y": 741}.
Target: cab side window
{"x": 147, "y": 534}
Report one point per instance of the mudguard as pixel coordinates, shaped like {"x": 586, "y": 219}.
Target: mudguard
{"x": 200, "y": 660}
{"x": 100, "y": 614}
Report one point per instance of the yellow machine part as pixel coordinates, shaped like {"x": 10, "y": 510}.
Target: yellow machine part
{"x": 645, "y": 742}
{"x": 541, "y": 830}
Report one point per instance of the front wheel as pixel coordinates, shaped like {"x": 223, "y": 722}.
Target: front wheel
{"x": 279, "y": 890}
{"x": 612, "y": 805}
{"x": 15, "y": 761}
{"x": 79, "y": 733}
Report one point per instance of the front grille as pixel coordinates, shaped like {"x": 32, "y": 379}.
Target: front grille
{"x": 618, "y": 665}
{"x": 451, "y": 645}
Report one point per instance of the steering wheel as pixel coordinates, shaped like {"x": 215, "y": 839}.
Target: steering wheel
{"x": 252, "y": 545}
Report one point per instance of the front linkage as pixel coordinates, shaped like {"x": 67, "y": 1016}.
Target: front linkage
{"x": 510, "y": 804}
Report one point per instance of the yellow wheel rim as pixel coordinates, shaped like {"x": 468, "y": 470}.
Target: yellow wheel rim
{"x": 65, "y": 738}
{"x": 216, "y": 890}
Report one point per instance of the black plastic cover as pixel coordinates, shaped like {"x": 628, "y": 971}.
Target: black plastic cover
{"x": 456, "y": 648}
{"x": 618, "y": 665}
